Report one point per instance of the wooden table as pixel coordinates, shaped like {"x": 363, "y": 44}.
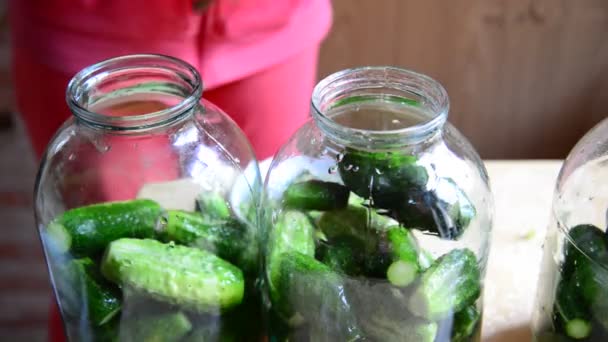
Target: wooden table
{"x": 523, "y": 191}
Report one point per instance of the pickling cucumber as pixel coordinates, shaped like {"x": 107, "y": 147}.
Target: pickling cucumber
{"x": 102, "y": 298}
{"x": 315, "y": 195}
{"x": 592, "y": 281}
{"x": 451, "y": 283}
{"x": 88, "y": 230}
{"x": 358, "y": 222}
{"x": 189, "y": 277}
{"x": 385, "y": 177}
{"x": 571, "y": 312}
{"x": 587, "y": 241}
{"x": 342, "y": 254}
{"x": 316, "y": 293}
{"x": 229, "y": 239}
{"x": 213, "y": 205}
{"x": 166, "y": 327}
{"x": 293, "y": 232}
{"x": 465, "y": 323}
{"x": 445, "y": 210}
{"x": 404, "y": 250}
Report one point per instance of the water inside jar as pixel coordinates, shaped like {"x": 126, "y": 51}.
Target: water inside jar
{"x": 136, "y": 104}
{"x": 379, "y": 115}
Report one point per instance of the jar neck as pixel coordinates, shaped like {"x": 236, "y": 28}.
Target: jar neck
{"x": 397, "y": 107}
{"x": 134, "y": 93}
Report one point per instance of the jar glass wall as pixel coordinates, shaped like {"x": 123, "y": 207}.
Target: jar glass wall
{"x": 572, "y": 295}
{"x": 376, "y": 217}
{"x": 146, "y": 203}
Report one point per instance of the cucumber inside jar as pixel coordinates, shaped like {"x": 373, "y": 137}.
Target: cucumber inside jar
{"x": 134, "y": 271}
{"x": 356, "y": 272}
{"x": 580, "y": 306}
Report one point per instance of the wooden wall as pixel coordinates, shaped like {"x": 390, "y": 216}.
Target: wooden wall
{"x": 526, "y": 78}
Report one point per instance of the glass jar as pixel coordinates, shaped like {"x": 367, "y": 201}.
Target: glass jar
{"x": 146, "y": 204}
{"x": 572, "y": 295}
{"x": 376, "y": 217}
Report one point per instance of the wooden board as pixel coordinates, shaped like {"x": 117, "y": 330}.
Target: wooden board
{"x": 526, "y": 78}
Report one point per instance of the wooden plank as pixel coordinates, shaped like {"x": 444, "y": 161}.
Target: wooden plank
{"x": 526, "y": 78}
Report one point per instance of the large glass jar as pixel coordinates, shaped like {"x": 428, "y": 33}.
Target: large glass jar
{"x": 376, "y": 217}
{"x": 146, "y": 203}
{"x": 572, "y": 295}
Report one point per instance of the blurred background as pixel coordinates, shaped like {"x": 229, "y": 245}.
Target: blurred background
{"x": 526, "y": 79}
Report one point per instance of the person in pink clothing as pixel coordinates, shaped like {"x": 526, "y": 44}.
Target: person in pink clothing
{"x": 257, "y": 58}
{"x": 252, "y": 54}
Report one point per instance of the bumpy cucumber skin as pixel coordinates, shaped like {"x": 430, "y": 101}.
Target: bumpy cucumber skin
{"x": 229, "y": 239}
{"x": 386, "y": 177}
{"x": 91, "y": 228}
{"x": 316, "y": 195}
{"x": 166, "y": 327}
{"x": 343, "y": 255}
{"x": 314, "y": 291}
{"x": 293, "y": 232}
{"x": 213, "y": 205}
{"x": 403, "y": 245}
{"x": 464, "y": 324}
{"x": 102, "y": 298}
{"x": 192, "y": 278}
{"x": 448, "y": 286}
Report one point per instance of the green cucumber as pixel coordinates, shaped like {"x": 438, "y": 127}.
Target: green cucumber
{"x": 445, "y": 211}
{"x": 191, "y": 278}
{"x": 293, "y": 231}
{"x": 570, "y": 312}
{"x": 401, "y": 273}
{"x": 451, "y": 283}
{"x": 385, "y": 177}
{"x": 315, "y": 195}
{"x": 315, "y": 292}
{"x": 396, "y": 250}
{"x": 88, "y": 230}
{"x": 405, "y": 250}
{"x": 229, "y": 239}
{"x": 586, "y": 241}
{"x": 102, "y": 298}
{"x": 465, "y": 323}
{"x": 591, "y": 277}
{"x": 165, "y": 327}
{"x": 357, "y": 221}
{"x": 213, "y": 205}
{"x": 343, "y": 255}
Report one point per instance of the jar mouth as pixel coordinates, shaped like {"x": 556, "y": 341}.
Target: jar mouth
{"x": 129, "y": 78}
{"x": 380, "y": 85}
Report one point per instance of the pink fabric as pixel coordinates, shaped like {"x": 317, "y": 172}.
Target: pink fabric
{"x": 268, "y": 105}
{"x": 258, "y": 57}
{"x": 229, "y": 40}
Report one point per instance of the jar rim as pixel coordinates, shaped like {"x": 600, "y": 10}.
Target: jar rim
{"x": 91, "y": 76}
{"x": 388, "y": 77}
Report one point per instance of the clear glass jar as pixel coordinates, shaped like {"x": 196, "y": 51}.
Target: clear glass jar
{"x": 572, "y": 295}
{"x": 376, "y": 219}
{"x": 146, "y": 203}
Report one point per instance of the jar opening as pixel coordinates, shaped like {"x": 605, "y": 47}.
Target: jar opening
{"x": 134, "y": 92}
{"x": 380, "y": 106}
